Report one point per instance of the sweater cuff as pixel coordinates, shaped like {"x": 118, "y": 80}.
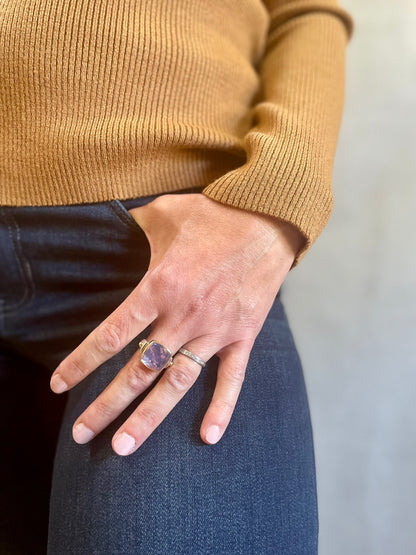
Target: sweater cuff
{"x": 290, "y": 148}
{"x": 291, "y": 185}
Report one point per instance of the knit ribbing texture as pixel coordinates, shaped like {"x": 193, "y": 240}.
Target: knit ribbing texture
{"x": 241, "y": 100}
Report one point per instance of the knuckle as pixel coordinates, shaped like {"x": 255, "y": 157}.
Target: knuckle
{"x": 196, "y": 305}
{"x": 102, "y": 409}
{"x": 180, "y": 378}
{"x": 224, "y": 407}
{"x": 235, "y": 373}
{"x": 162, "y": 281}
{"x": 73, "y": 368}
{"x": 149, "y": 417}
{"x": 109, "y": 337}
{"x": 167, "y": 283}
{"x": 136, "y": 376}
{"x": 248, "y": 314}
{"x": 252, "y": 324}
{"x": 249, "y": 320}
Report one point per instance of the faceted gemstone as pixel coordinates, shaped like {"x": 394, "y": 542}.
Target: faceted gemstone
{"x": 155, "y": 356}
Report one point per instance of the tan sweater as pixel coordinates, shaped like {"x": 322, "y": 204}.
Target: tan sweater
{"x": 238, "y": 99}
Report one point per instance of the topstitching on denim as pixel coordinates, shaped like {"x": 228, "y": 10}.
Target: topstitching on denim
{"x": 22, "y": 263}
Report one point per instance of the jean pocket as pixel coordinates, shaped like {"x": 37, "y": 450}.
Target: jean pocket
{"x": 124, "y": 216}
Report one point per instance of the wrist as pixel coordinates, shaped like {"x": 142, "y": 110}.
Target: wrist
{"x": 289, "y": 237}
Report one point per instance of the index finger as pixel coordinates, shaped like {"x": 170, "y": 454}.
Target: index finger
{"x": 129, "y": 319}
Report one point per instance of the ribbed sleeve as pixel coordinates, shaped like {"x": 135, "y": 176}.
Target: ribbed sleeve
{"x": 291, "y": 147}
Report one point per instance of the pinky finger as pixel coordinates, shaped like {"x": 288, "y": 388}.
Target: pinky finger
{"x": 230, "y": 377}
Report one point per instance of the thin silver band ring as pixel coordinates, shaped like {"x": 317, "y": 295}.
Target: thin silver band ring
{"x": 192, "y": 356}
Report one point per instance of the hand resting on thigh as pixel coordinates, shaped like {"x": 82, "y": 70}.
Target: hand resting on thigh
{"x": 213, "y": 275}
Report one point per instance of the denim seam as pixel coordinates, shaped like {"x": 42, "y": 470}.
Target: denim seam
{"x": 24, "y": 268}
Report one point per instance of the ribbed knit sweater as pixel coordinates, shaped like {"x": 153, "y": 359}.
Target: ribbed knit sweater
{"x": 241, "y": 100}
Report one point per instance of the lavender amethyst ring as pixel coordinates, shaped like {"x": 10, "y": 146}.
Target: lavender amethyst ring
{"x": 155, "y": 355}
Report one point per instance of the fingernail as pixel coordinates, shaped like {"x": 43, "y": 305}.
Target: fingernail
{"x": 213, "y": 434}
{"x": 57, "y": 384}
{"x": 124, "y": 444}
{"x": 81, "y": 433}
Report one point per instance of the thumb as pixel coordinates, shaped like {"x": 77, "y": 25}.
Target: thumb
{"x": 160, "y": 231}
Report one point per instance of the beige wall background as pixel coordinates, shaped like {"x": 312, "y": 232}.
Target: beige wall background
{"x": 352, "y": 303}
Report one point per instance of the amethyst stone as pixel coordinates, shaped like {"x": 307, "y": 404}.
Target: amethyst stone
{"x": 156, "y": 356}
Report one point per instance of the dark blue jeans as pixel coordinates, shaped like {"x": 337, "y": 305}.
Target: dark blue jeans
{"x": 64, "y": 269}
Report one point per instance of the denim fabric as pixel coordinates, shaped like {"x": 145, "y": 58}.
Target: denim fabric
{"x": 64, "y": 269}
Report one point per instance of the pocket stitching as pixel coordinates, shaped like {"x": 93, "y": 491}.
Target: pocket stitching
{"x": 124, "y": 215}
{"x": 23, "y": 265}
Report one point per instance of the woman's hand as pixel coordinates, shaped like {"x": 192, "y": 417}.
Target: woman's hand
{"x": 213, "y": 275}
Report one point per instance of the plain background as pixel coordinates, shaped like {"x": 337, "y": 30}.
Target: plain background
{"x": 352, "y": 303}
